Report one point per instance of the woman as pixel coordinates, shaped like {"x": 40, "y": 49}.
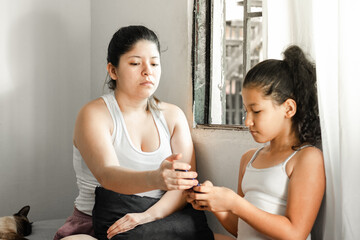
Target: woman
{"x": 126, "y": 142}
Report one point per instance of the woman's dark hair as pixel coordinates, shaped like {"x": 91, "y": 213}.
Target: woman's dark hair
{"x": 295, "y": 78}
{"x": 123, "y": 41}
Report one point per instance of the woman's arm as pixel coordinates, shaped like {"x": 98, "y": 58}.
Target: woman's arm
{"x": 305, "y": 193}
{"x": 174, "y": 200}
{"x": 181, "y": 142}
{"x": 92, "y": 137}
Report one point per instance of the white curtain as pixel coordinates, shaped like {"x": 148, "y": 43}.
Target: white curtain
{"x": 329, "y": 32}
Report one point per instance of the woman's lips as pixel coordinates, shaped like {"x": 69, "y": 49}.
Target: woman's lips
{"x": 147, "y": 83}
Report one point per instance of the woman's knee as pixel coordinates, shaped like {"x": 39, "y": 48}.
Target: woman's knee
{"x": 79, "y": 237}
{"x": 218, "y": 236}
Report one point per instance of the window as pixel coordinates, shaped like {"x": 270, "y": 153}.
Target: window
{"x": 227, "y": 42}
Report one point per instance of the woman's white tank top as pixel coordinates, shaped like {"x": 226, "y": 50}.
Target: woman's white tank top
{"x": 266, "y": 189}
{"x": 128, "y": 155}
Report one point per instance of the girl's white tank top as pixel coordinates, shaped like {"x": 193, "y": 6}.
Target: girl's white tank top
{"x": 266, "y": 189}
{"x": 128, "y": 155}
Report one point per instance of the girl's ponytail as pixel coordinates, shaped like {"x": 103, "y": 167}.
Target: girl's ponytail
{"x": 303, "y": 75}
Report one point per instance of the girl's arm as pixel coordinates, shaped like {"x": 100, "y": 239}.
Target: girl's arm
{"x": 227, "y": 219}
{"x": 305, "y": 193}
{"x": 174, "y": 200}
{"x": 92, "y": 137}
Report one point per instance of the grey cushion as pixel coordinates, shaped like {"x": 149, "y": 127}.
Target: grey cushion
{"x": 45, "y": 230}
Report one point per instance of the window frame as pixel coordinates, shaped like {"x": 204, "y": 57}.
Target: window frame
{"x": 208, "y": 78}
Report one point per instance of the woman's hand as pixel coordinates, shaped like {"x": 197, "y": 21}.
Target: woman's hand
{"x": 174, "y": 175}
{"x": 208, "y": 197}
{"x": 128, "y": 222}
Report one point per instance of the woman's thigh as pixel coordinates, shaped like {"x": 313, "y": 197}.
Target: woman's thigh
{"x": 218, "y": 236}
{"x": 79, "y": 237}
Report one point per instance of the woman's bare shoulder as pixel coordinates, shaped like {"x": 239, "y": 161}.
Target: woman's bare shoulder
{"x": 93, "y": 115}
{"x": 93, "y": 118}
{"x": 173, "y": 114}
{"x": 170, "y": 110}
{"x": 93, "y": 109}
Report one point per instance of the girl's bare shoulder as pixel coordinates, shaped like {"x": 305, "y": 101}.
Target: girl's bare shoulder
{"x": 308, "y": 159}
{"x": 310, "y": 154}
{"x": 248, "y": 154}
{"x": 246, "y": 157}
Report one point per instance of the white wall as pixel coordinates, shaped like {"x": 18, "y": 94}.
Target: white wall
{"x": 42, "y": 88}
{"x": 44, "y": 80}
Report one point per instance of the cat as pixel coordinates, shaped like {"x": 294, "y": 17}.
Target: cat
{"x": 17, "y": 226}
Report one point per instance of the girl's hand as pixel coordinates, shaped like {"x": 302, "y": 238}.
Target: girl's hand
{"x": 128, "y": 222}
{"x": 210, "y": 198}
{"x": 174, "y": 175}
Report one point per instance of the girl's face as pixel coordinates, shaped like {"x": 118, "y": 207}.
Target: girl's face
{"x": 138, "y": 73}
{"x": 265, "y": 119}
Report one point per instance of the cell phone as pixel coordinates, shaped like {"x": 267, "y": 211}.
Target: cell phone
{"x": 180, "y": 170}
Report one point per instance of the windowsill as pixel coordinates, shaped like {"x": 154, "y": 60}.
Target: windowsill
{"x": 221, "y": 127}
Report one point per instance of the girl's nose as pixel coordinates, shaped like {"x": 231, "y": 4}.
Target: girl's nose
{"x": 248, "y": 121}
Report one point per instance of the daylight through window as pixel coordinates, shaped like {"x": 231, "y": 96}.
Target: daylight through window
{"x": 228, "y": 41}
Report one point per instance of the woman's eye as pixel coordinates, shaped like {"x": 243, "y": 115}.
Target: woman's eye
{"x": 155, "y": 64}
{"x": 256, "y": 112}
{"x": 134, "y": 64}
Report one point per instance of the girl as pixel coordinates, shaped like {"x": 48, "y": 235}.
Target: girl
{"x": 125, "y": 142}
{"x": 281, "y": 185}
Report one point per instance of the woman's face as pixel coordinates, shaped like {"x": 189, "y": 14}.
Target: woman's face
{"x": 139, "y": 70}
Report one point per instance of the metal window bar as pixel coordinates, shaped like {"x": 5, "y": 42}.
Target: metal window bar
{"x": 246, "y": 44}
{"x": 236, "y": 68}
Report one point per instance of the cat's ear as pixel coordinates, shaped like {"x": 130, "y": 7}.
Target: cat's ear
{"x": 24, "y": 211}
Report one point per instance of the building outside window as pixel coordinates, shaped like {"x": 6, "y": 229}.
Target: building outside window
{"x": 228, "y": 41}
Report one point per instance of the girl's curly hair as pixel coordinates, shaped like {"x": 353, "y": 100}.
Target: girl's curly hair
{"x": 295, "y": 78}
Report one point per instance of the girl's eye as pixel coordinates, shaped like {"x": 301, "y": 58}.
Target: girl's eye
{"x": 155, "y": 64}
{"x": 256, "y": 112}
{"x": 134, "y": 64}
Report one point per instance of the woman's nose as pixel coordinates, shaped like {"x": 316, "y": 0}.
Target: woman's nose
{"x": 147, "y": 70}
